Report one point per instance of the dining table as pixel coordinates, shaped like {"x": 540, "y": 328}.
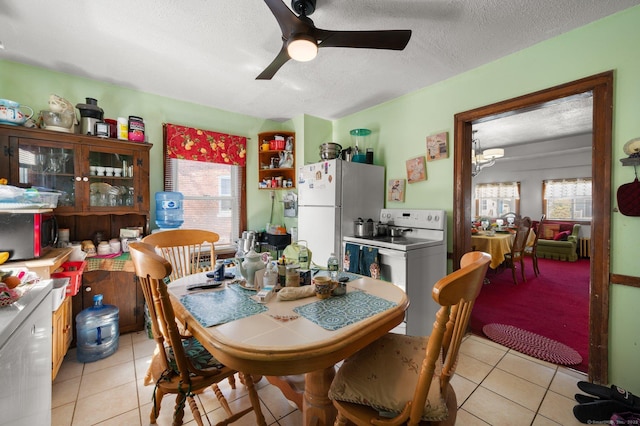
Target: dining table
{"x": 306, "y": 336}
{"x": 497, "y": 244}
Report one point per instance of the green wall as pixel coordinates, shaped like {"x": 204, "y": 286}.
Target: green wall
{"x": 399, "y": 131}
{"x": 401, "y": 125}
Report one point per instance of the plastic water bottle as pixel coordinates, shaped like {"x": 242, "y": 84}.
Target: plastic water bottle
{"x": 97, "y": 331}
{"x": 303, "y": 257}
{"x": 332, "y": 265}
{"x": 270, "y": 278}
{"x": 169, "y": 211}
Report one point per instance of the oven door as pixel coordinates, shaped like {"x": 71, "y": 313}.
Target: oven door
{"x": 393, "y": 264}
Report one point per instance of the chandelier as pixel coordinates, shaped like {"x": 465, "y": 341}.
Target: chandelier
{"x": 481, "y": 159}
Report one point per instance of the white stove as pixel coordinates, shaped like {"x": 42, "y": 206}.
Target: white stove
{"x": 414, "y": 261}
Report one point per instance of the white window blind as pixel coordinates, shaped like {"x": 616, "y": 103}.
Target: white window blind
{"x": 567, "y": 188}
{"x": 498, "y": 190}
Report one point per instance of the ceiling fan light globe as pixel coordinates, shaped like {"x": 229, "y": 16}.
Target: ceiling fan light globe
{"x": 302, "y": 48}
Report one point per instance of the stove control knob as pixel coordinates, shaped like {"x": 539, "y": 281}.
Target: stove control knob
{"x": 429, "y": 218}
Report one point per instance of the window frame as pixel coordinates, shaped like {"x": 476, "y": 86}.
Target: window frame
{"x": 242, "y": 185}
{"x": 477, "y": 200}
{"x": 581, "y": 221}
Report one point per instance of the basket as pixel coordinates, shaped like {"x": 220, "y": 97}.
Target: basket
{"x": 73, "y": 271}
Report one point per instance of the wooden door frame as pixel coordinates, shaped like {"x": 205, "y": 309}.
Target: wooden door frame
{"x": 601, "y": 86}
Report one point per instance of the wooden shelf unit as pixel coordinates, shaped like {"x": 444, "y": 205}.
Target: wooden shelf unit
{"x": 265, "y": 172}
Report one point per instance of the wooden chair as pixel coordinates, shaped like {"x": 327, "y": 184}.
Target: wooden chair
{"x": 180, "y": 365}
{"x": 532, "y": 250}
{"x": 517, "y": 248}
{"x": 188, "y": 250}
{"x": 402, "y": 379}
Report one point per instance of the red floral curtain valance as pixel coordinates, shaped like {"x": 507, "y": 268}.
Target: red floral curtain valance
{"x": 188, "y": 143}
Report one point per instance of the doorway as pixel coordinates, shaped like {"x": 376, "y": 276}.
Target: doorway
{"x": 601, "y": 85}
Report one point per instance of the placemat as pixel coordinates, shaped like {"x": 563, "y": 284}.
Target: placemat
{"x": 222, "y": 306}
{"x": 337, "y": 312}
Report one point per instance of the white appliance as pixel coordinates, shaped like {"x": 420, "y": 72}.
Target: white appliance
{"x": 333, "y": 194}
{"x": 25, "y": 357}
{"x": 414, "y": 261}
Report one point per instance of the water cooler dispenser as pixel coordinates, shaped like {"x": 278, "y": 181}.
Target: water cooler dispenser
{"x": 169, "y": 210}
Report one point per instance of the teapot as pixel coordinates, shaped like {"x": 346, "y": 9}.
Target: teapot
{"x": 10, "y": 112}
{"x": 252, "y": 263}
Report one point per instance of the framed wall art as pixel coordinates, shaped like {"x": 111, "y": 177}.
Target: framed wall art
{"x": 416, "y": 169}
{"x": 395, "y": 190}
{"x": 437, "y": 147}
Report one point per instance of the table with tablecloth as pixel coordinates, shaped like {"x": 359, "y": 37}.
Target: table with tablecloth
{"x": 497, "y": 245}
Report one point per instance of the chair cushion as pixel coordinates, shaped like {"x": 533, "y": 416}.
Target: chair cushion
{"x": 384, "y": 375}
{"x": 200, "y": 357}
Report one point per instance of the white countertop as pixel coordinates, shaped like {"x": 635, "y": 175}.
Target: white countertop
{"x": 13, "y": 315}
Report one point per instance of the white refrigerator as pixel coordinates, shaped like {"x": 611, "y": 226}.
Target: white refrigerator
{"x": 332, "y": 195}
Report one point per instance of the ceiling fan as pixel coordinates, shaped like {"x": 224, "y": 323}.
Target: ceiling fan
{"x": 301, "y": 38}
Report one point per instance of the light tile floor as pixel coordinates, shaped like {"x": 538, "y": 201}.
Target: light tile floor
{"x": 494, "y": 386}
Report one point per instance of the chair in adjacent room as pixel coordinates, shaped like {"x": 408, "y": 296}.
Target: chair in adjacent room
{"x": 516, "y": 256}
{"x": 180, "y": 364}
{"x": 532, "y": 250}
{"x": 401, "y": 379}
{"x": 188, "y": 250}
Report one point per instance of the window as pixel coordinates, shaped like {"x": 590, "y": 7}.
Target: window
{"x": 496, "y": 199}
{"x": 567, "y": 199}
{"x": 208, "y": 168}
{"x": 212, "y": 196}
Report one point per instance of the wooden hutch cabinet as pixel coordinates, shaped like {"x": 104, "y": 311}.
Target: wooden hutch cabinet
{"x": 103, "y": 185}
{"x": 270, "y": 174}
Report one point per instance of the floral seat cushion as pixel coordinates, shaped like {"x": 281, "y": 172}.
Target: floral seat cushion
{"x": 199, "y": 357}
{"x": 384, "y": 375}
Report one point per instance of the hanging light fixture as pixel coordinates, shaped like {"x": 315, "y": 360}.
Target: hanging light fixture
{"x": 302, "y": 48}
{"x": 480, "y": 158}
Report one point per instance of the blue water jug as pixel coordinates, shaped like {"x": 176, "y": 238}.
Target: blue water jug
{"x": 97, "y": 331}
{"x": 169, "y": 212}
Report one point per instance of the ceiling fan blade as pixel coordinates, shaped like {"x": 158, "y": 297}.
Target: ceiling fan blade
{"x": 383, "y": 39}
{"x": 289, "y": 22}
{"x": 275, "y": 65}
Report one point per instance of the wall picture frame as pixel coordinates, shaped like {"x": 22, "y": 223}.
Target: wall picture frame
{"x": 437, "y": 147}
{"x": 416, "y": 169}
{"x": 395, "y": 190}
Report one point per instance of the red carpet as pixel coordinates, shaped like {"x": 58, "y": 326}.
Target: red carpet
{"x": 532, "y": 344}
{"x": 554, "y": 305}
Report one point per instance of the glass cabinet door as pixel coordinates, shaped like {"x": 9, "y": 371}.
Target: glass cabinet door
{"x": 48, "y": 168}
{"x": 111, "y": 177}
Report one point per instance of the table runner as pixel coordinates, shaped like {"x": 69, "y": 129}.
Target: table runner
{"x": 337, "y": 312}
{"x": 118, "y": 263}
{"x": 222, "y": 306}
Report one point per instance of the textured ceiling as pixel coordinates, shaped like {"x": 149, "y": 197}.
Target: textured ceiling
{"x": 554, "y": 120}
{"x": 210, "y": 51}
